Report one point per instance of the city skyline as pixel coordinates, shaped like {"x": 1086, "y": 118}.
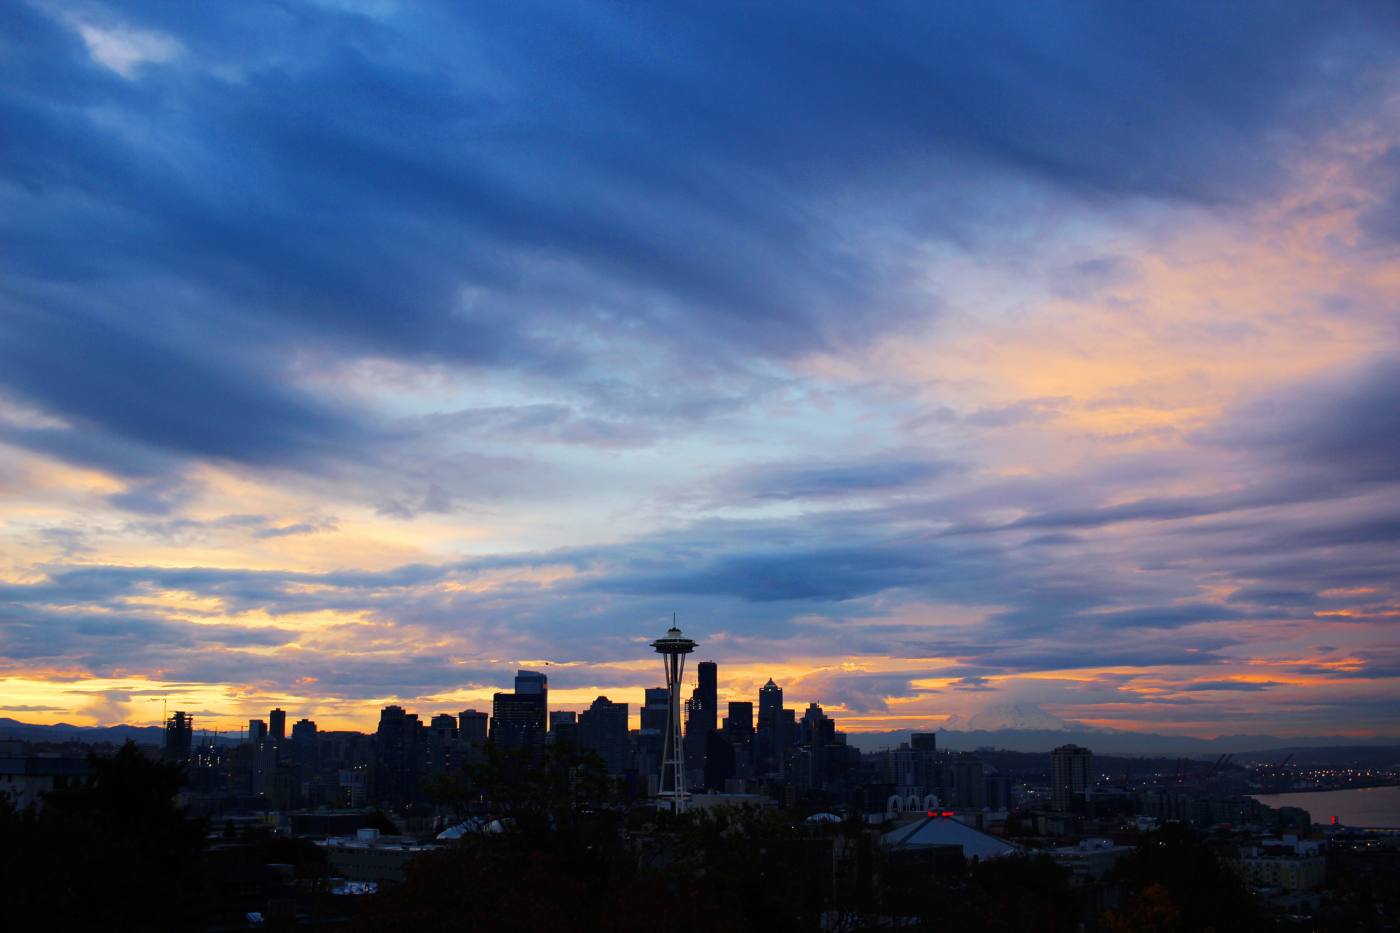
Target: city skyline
{"x": 956, "y": 366}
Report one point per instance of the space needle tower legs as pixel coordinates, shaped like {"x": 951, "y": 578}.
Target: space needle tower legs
{"x": 673, "y": 647}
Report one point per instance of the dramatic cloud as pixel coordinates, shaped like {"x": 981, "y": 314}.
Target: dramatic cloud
{"x": 937, "y": 360}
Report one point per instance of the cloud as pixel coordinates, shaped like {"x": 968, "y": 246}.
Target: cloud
{"x": 125, "y": 51}
{"x": 835, "y": 479}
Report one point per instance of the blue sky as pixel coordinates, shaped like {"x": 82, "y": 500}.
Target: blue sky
{"x": 932, "y": 359}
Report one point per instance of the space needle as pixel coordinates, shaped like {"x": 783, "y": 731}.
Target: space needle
{"x": 673, "y": 647}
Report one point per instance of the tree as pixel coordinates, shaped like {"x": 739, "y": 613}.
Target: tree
{"x": 116, "y": 854}
{"x": 1176, "y": 882}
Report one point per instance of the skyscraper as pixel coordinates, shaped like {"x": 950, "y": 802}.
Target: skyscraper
{"x": 533, "y": 683}
{"x": 472, "y": 726}
{"x": 179, "y": 736}
{"x": 257, "y": 731}
{"x": 518, "y": 720}
{"x": 817, "y": 727}
{"x": 707, "y": 695}
{"x": 701, "y": 718}
{"x": 602, "y": 728}
{"x": 738, "y": 725}
{"x": 1069, "y": 776}
{"x": 770, "y": 740}
{"x": 654, "y": 714}
{"x": 277, "y": 724}
{"x": 399, "y": 756}
{"x": 563, "y": 727}
{"x": 304, "y": 742}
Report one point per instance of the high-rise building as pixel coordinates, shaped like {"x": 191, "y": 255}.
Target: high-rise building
{"x": 472, "y": 726}
{"x": 563, "y": 727}
{"x": 304, "y": 742}
{"x": 277, "y": 724}
{"x": 738, "y": 725}
{"x": 179, "y": 736}
{"x": 702, "y": 717}
{"x": 257, "y": 731}
{"x": 1070, "y": 767}
{"x": 602, "y": 728}
{"x": 817, "y": 727}
{"x": 655, "y": 709}
{"x": 770, "y": 739}
{"x": 707, "y": 695}
{"x": 533, "y": 683}
{"x": 518, "y": 720}
{"x": 719, "y": 761}
{"x": 399, "y": 756}
{"x": 962, "y": 782}
{"x": 924, "y": 741}
{"x": 650, "y": 737}
{"x": 770, "y": 704}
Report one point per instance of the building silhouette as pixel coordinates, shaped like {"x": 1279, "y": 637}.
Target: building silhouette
{"x": 399, "y": 756}
{"x": 1069, "y": 777}
{"x": 472, "y": 726}
{"x": 304, "y": 742}
{"x": 602, "y": 728}
{"x": 277, "y": 724}
{"x": 179, "y": 736}
{"x": 769, "y": 739}
{"x": 563, "y": 727}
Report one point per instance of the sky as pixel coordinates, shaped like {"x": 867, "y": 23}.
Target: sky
{"x": 944, "y": 362}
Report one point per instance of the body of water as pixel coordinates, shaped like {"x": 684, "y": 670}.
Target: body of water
{"x": 1357, "y": 806}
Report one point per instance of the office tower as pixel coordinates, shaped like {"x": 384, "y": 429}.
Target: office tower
{"x": 707, "y": 695}
{"x": 770, "y": 705}
{"x": 789, "y": 733}
{"x": 398, "y": 756}
{"x": 963, "y": 784}
{"x": 817, "y": 727}
{"x": 1069, "y": 777}
{"x": 673, "y": 647}
{"x": 655, "y": 709}
{"x": 257, "y": 731}
{"x": 179, "y": 736}
{"x": 924, "y": 741}
{"x": 472, "y": 726}
{"x": 720, "y": 764}
{"x": 602, "y": 729}
{"x": 997, "y": 791}
{"x": 563, "y": 728}
{"x": 277, "y": 724}
{"x": 442, "y": 744}
{"x": 518, "y": 721}
{"x": 702, "y": 715}
{"x": 304, "y": 743}
{"x": 533, "y": 683}
{"x": 738, "y": 725}
{"x": 769, "y": 740}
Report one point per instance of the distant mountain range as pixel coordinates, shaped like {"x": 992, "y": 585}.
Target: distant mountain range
{"x": 62, "y": 732}
{"x": 1112, "y": 742}
{"x": 1103, "y": 741}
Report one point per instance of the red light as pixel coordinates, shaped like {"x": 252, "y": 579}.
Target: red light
{"x": 946, "y": 813}
{"x": 930, "y": 813}
{"x": 1334, "y": 820}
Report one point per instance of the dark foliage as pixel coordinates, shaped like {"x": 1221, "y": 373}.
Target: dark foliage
{"x": 114, "y": 855}
{"x": 1176, "y": 882}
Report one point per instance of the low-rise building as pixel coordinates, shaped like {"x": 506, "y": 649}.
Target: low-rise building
{"x": 1290, "y": 863}
{"x": 25, "y": 780}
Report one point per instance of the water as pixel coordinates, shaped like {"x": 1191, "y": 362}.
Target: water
{"x": 1357, "y": 806}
